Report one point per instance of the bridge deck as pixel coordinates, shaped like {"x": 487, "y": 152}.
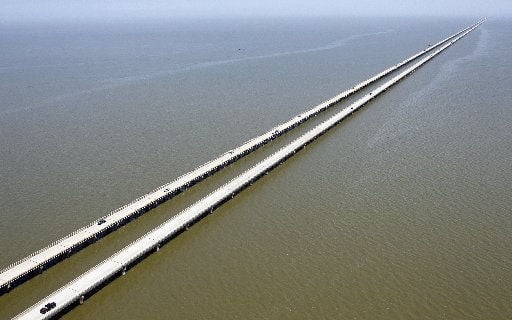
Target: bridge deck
{"x": 130, "y": 255}
{"x": 24, "y": 269}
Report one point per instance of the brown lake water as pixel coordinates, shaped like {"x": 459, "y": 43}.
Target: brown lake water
{"x": 402, "y": 211}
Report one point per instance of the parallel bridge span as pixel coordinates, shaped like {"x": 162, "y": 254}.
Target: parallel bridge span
{"x": 40, "y": 260}
{"x": 77, "y": 290}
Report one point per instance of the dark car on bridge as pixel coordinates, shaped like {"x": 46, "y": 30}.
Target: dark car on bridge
{"x": 47, "y": 307}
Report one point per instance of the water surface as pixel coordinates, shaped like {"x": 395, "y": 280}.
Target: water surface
{"x": 402, "y": 211}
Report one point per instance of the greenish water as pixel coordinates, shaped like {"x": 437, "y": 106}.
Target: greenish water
{"x": 400, "y": 212}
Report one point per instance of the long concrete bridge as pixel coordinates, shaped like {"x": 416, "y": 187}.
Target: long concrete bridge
{"x": 87, "y": 284}
{"x": 37, "y": 262}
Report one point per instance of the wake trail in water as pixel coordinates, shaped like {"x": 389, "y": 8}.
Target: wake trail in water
{"x": 390, "y": 129}
{"x": 124, "y": 81}
{"x": 333, "y": 45}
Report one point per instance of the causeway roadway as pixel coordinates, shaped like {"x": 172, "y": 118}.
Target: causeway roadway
{"x": 32, "y": 265}
{"x": 76, "y": 291}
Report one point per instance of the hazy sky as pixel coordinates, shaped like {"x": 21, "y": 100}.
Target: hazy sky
{"x": 11, "y": 10}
